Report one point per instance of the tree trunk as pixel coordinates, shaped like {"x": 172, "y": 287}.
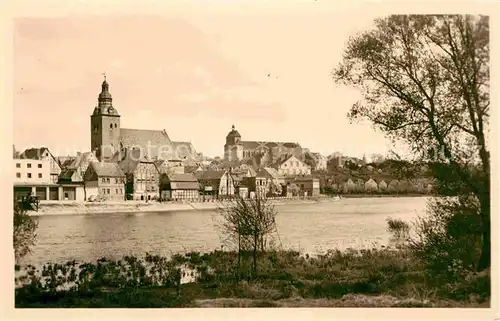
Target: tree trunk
{"x": 485, "y": 258}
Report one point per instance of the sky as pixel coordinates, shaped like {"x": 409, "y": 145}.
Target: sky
{"x": 193, "y": 73}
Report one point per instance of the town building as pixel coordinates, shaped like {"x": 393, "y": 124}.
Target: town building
{"x": 220, "y": 183}
{"x": 257, "y": 185}
{"x": 142, "y": 175}
{"x": 179, "y": 186}
{"x": 273, "y": 175}
{"x": 308, "y": 186}
{"x": 104, "y": 181}
{"x": 291, "y": 166}
{"x": 173, "y": 166}
{"x": 36, "y": 175}
{"x": 32, "y": 177}
{"x": 43, "y": 153}
{"x": 262, "y": 153}
{"x": 108, "y": 138}
{"x": 73, "y": 174}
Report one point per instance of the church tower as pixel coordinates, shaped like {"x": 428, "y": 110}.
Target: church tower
{"x": 105, "y": 126}
{"x": 233, "y": 149}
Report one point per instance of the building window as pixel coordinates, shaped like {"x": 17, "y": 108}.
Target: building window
{"x": 111, "y": 126}
{"x": 18, "y": 165}
{"x": 39, "y": 165}
{"x": 108, "y": 191}
{"x": 28, "y": 165}
{"x": 29, "y": 175}
{"x": 116, "y": 125}
{"x": 103, "y": 180}
{"x": 107, "y": 180}
{"x": 18, "y": 175}
{"x": 39, "y": 175}
{"x": 117, "y": 191}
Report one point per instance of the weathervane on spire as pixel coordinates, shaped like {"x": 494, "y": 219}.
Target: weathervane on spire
{"x": 104, "y": 74}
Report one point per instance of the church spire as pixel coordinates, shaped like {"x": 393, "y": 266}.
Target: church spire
{"x": 105, "y": 98}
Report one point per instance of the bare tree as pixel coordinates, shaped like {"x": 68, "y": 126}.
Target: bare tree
{"x": 249, "y": 223}
{"x": 425, "y": 81}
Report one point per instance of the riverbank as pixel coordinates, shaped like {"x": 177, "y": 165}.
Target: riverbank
{"x": 72, "y": 207}
{"x": 369, "y": 278}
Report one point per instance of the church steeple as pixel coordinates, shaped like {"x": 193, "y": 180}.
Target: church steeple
{"x": 105, "y": 126}
{"x": 105, "y": 100}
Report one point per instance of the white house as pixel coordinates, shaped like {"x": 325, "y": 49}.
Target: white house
{"x": 292, "y": 166}
{"x": 44, "y": 154}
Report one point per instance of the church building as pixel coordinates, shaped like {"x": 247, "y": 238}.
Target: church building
{"x": 262, "y": 153}
{"x": 110, "y": 142}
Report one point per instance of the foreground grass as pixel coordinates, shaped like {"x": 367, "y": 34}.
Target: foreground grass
{"x": 367, "y": 278}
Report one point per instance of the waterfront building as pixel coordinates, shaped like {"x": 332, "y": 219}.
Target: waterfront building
{"x": 105, "y": 181}
{"x": 179, "y": 186}
{"x": 257, "y": 185}
{"x": 32, "y": 177}
{"x": 43, "y": 153}
{"x": 308, "y": 186}
{"x": 38, "y": 172}
{"x": 142, "y": 175}
{"x": 216, "y": 182}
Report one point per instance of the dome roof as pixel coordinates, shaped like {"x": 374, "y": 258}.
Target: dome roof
{"x": 105, "y": 90}
{"x": 105, "y": 95}
{"x": 233, "y": 133}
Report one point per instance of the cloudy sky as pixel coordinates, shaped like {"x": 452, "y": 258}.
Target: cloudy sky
{"x": 265, "y": 69}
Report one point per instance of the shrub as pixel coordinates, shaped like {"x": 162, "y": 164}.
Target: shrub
{"x": 448, "y": 241}
{"x": 399, "y": 228}
{"x": 24, "y": 236}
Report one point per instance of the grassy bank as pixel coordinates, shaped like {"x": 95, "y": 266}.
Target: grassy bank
{"x": 366, "y": 278}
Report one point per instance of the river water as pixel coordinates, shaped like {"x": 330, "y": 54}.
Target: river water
{"x": 310, "y": 228}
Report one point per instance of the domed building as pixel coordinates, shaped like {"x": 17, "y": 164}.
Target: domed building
{"x": 264, "y": 153}
{"x": 233, "y": 149}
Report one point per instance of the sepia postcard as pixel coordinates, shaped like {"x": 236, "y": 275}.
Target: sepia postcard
{"x": 331, "y": 156}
